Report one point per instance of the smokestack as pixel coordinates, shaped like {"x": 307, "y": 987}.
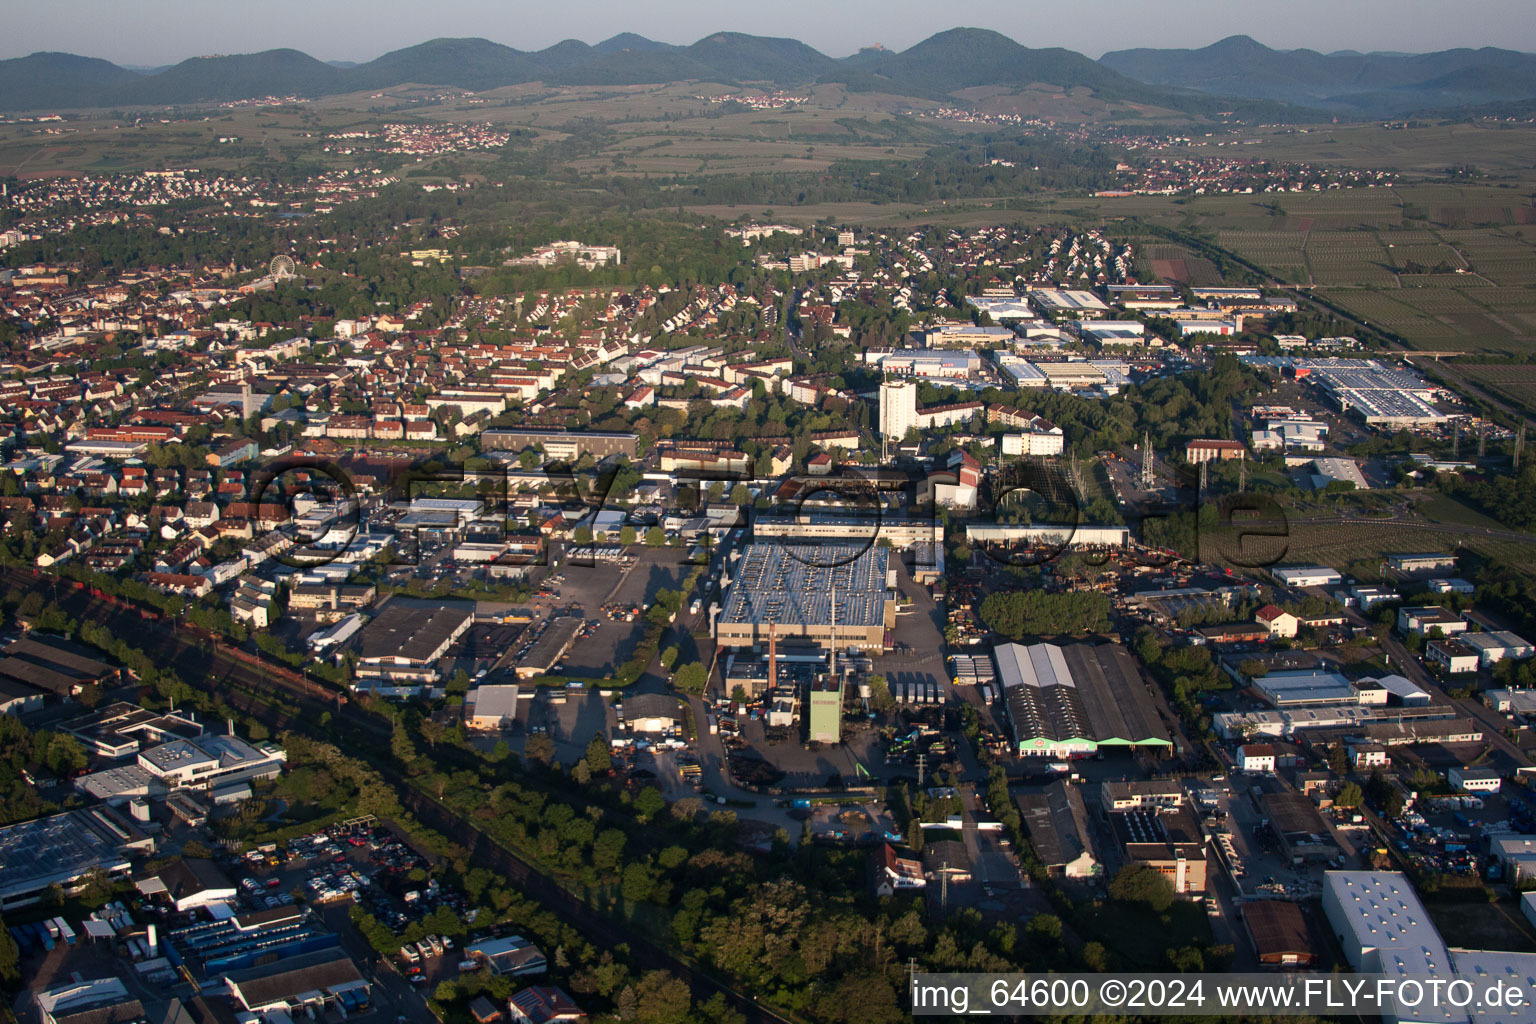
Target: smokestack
{"x": 230, "y": 723}
{"x": 773, "y": 657}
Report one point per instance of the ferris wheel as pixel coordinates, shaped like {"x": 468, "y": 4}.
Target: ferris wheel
{"x": 282, "y": 267}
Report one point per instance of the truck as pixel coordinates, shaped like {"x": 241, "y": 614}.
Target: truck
{"x": 1058, "y": 767}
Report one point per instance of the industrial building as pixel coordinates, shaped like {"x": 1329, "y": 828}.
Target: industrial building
{"x": 562, "y": 445}
{"x": 965, "y": 335}
{"x": 899, "y": 533}
{"x": 1068, "y": 302}
{"x": 1059, "y": 831}
{"x": 1520, "y": 702}
{"x": 1283, "y": 724}
{"x": 188, "y": 882}
{"x": 1302, "y": 832}
{"x": 1515, "y": 855}
{"x": 1140, "y": 794}
{"x": 49, "y": 665}
{"x": 1496, "y": 645}
{"x": 1338, "y": 470}
{"x": 399, "y": 649}
{"x": 826, "y": 709}
{"x": 651, "y": 713}
{"x": 550, "y": 647}
{"x": 1071, "y": 701}
{"x": 211, "y": 762}
{"x": 835, "y": 594}
{"x": 1279, "y": 933}
{"x": 492, "y": 707}
{"x": 1383, "y": 928}
{"x": 1055, "y": 535}
{"x": 1308, "y": 576}
{"x": 1213, "y": 450}
{"x": 1425, "y": 621}
{"x": 299, "y": 986}
{"x": 1431, "y": 562}
{"x": 62, "y": 849}
{"x": 1289, "y": 689}
{"x": 1381, "y": 396}
{"x": 1169, "y": 842}
{"x": 1393, "y": 689}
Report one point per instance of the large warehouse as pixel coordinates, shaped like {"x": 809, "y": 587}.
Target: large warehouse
{"x": 401, "y": 647}
{"x": 1071, "y": 701}
{"x": 795, "y": 587}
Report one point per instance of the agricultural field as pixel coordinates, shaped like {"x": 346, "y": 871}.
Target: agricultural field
{"x": 1365, "y": 540}
{"x": 1423, "y": 149}
{"x": 1348, "y": 258}
{"x": 1517, "y": 383}
{"x": 1505, "y": 256}
{"x": 1177, "y": 263}
{"x": 1283, "y": 253}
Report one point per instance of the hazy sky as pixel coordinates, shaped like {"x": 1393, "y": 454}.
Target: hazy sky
{"x": 151, "y": 32}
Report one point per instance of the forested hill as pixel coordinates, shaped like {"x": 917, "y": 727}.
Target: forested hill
{"x": 1360, "y": 83}
{"x": 935, "y": 68}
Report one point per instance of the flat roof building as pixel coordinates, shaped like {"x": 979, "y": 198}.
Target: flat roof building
{"x": 1140, "y": 794}
{"x": 1288, "y": 689}
{"x": 1429, "y": 562}
{"x": 652, "y": 712}
{"x": 1308, "y": 576}
{"x": 563, "y": 445}
{"x": 61, "y": 849}
{"x": 901, "y": 533}
{"x": 493, "y": 706}
{"x": 835, "y": 594}
{"x": 826, "y": 710}
{"x": 1168, "y": 841}
{"x": 1080, "y": 535}
{"x": 1496, "y": 645}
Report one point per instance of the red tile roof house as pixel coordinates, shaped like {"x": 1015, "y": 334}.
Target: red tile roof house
{"x": 1277, "y": 620}
{"x": 541, "y": 1004}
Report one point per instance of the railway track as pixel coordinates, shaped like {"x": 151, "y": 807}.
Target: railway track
{"x": 238, "y": 675}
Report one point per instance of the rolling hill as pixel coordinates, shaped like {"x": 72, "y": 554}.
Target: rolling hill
{"x": 1235, "y": 74}
{"x": 59, "y": 80}
{"x": 1367, "y": 84}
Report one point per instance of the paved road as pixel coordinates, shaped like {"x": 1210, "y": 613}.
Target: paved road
{"x": 1493, "y": 723}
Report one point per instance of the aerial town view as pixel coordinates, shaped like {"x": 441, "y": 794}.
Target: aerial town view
{"x": 846, "y": 521}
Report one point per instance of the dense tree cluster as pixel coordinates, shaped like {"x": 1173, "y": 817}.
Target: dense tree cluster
{"x": 1021, "y": 613}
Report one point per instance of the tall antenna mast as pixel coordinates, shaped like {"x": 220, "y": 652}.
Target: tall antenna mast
{"x": 1146, "y": 461}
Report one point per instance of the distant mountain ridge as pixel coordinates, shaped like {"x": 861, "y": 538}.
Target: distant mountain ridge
{"x": 1235, "y": 74}
{"x": 1356, "y": 83}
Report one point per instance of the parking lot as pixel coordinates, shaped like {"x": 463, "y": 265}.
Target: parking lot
{"x": 585, "y": 589}
{"x": 570, "y": 717}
